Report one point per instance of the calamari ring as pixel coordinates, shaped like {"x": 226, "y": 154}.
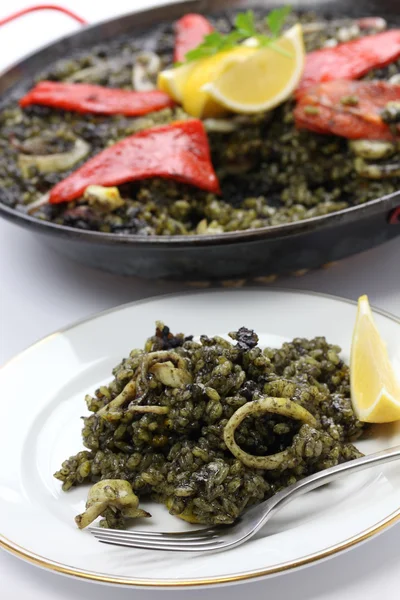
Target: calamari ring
{"x": 112, "y": 410}
{"x": 279, "y": 406}
{"x": 133, "y": 391}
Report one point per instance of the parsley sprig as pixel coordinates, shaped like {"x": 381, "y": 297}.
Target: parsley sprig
{"x": 244, "y": 28}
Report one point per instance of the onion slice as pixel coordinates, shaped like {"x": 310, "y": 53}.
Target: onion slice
{"x": 145, "y": 71}
{"x": 50, "y": 163}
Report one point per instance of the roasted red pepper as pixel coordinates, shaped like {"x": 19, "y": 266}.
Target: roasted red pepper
{"x": 179, "y": 151}
{"x": 351, "y": 60}
{"x": 86, "y": 98}
{"x": 349, "y": 109}
{"x": 189, "y": 33}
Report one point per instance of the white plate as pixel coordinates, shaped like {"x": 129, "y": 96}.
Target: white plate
{"x": 42, "y": 393}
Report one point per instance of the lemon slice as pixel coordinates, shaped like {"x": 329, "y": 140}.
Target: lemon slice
{"x": 375, "y": 390}
{"x": 196, "y": 100}
{"x": 265, "y": 79}
{"x": 172, "y": 81}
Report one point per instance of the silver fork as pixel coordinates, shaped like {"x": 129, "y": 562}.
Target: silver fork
{"x": 222, "y": 537}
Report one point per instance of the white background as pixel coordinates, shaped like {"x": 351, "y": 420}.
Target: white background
{"x": 41, "y": 292}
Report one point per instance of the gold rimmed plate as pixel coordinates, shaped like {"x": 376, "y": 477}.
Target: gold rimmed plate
{"x": 43, "y": 392}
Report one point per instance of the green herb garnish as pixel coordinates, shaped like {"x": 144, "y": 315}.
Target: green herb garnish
{"x": 276, "y": 20}
{"x": 244, "y": 28}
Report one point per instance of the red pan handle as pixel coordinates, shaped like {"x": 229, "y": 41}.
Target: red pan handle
{"x": 35, "y": 7}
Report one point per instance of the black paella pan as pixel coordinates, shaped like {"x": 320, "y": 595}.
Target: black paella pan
{"x": 277, "y": 249}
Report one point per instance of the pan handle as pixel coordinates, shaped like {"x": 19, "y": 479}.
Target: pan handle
{"x": 35, "y": 7}
{"x": 394, "y": 216}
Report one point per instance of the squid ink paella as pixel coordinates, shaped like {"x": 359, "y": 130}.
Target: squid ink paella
{"x": 210, "y": 426}
{"x": 188, "y": 130}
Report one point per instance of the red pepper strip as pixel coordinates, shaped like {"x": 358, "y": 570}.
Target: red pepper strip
{"x": 85, "y": 98}
{"x": 179, "y": 151}
{"x": 189, "y": 33}
{"x": 349, "y": 109}
{"x": 350, "y": 60}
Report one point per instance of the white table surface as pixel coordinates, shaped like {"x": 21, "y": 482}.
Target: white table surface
{"x": 41, "y": 292}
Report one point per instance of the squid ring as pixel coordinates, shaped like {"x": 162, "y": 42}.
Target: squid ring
{"x": 279, "y": 406}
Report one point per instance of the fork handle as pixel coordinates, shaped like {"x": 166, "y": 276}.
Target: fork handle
{"x": 312, "y": 482}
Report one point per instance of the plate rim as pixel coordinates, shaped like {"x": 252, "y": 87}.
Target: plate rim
{"x": 48, "y": 564}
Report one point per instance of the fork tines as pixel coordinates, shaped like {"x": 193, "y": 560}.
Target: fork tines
{"x": 199, "y": 540}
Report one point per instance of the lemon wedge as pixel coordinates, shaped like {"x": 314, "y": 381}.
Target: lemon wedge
{"x": 196, "y": 100}
{"x": 375, "y": 390}
{"x": 172, "y": 81}
{"x": 267, "y": 78}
